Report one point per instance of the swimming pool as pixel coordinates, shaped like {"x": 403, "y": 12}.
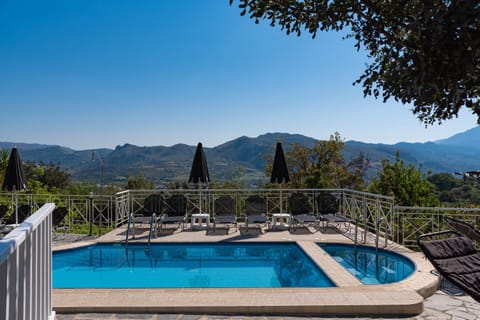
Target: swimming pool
{"x": 186, "y": 265}
{"x": 369, "y": 266}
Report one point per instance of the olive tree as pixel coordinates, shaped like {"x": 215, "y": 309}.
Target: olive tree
{"x": 425, "y": 53}
{"x": 408, "y": 184}
{"x": 323, "y": 166}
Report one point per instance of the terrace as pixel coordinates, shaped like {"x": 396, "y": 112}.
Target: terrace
{"x": 375, "y": 221}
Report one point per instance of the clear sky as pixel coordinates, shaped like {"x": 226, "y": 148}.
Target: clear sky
{"x": 100, "y": 73}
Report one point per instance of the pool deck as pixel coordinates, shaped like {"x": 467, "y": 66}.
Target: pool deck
{"x": 349, "y": 298}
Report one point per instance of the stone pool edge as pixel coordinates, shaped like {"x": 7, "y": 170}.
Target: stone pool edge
{"x": 349, "y": 298}
{"x": 301, "y": 301}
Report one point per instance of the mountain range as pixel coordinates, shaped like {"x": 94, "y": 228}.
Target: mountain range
{"x": 457, "y": 153}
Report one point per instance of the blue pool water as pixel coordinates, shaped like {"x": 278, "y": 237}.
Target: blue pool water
{"x": 369, "y": 267}
{"x": 186, "y": 265}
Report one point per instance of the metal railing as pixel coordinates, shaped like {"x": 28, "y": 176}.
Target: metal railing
{"x": 82, "y": 209}
{"x": 374, "y": 215}
{"x": 353, "y": 204}
{"x": 26, "y": 268}
{"x": 411, "y": 222}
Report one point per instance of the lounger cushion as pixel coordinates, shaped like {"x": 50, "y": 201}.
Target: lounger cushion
{"x": 464, "y": 228}
{"x": 449, "y": 248}
{"x": 225, "y": 219}
{"x": 172, "y": 219}
{"x": 457, "y": 260}
{"x": 460, "y": 265}
{"x": 256, "y": 218}
{"x": 304, "y": 218}
{"x": 332, "y": 218}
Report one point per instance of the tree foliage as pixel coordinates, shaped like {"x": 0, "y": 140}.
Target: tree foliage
{"x": 49, "y": 177}
{"x": 3, "y": 164}
{"x": 234, "y": 181}
{"x": 138, "y": 182}
{"x": 422, "y": 52}
{"x": 456, "y": 192}
{"x": 407, "y": 184}
{"x": 323, "y": 166}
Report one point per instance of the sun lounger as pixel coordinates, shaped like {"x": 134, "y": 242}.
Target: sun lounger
{"x": 152, "y": 208}
{"x": 58, "y": 215}
{"x": 3, "y": 212}
{"x": 23, "y": 212}
{"x": 328, "y": 211}
{"x": 4, "y": 228}
{"x": 255, "y": 211}
{"x": 225, "y": 212}
{"x": 175, "y": 211}
{"x": 455, "y": 258}
{"x": 301, "y": 211}
{"x": 464, "y": 228}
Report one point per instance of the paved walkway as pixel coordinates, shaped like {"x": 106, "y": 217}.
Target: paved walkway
{"x": 446, "y": 304}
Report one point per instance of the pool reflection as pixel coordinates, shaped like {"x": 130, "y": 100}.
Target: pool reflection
{"x": 199, "y": 265}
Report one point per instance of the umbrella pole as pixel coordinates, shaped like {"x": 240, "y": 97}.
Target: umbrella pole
{"x": 281, "y": 204}
{"x": 281, "y": 198}
{"x": 16, "y": 207}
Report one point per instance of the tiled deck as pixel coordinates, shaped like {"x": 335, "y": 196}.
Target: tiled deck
{"x": 349, "y": 298}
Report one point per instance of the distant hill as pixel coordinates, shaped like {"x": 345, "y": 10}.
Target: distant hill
{"x": 23, "y": 146}
{"x": 164, "y": 164}
{"x": 468, "y": 139}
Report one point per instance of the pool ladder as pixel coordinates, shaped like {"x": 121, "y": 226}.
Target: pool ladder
{"x": 377, "y": 229}
{"x": 357, "y": 221}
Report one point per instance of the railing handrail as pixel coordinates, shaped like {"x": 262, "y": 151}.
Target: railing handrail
{"x": 435, "y": 208}
{"x": 14, "y": 238}
{"x": 26, "y": 268}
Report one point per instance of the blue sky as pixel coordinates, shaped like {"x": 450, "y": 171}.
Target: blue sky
{"x": 100, "y": 73}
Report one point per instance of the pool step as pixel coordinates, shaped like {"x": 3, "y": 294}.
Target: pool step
{"x": 338, "y": 274}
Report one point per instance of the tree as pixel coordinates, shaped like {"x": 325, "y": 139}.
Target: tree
{"x": 140, "y": 181}
{"x": 54, "y": 176}
{"x": 407, "y": 184}
{"x": 454, "y": 191}
{"x": 234, "y": 181}
{"x": 444, "y": 181}
{"x": 3, "y": 164}
{"x": 323, "y": 166}
{"x": 422, "y": 52}
{"x": 46, "y": 176}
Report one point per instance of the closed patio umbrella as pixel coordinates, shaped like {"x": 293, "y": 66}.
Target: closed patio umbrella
{"x": 199, "y": 172}
{"x": 279, "y": 169}
{"x": 14, "y": 178}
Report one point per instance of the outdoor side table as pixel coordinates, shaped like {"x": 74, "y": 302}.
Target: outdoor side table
{"x": 200, "y": 221}
{"x": 281, "y": 220}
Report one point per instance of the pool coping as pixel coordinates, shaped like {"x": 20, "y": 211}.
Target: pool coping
{"x": 300, "y": 301}
{"x": 349, "y": 298}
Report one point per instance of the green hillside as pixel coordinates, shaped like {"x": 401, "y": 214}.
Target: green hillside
{"x": 166, "y": 164}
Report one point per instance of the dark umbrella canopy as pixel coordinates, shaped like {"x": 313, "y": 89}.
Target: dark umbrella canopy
{"x": 279, "y": 170}
{"x": 14, "y": 176}
{"x": 199, "y": 172}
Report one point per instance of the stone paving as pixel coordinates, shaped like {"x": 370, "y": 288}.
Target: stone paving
{"x": 440, "y": 306}
{"x": 446, "y": 304}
